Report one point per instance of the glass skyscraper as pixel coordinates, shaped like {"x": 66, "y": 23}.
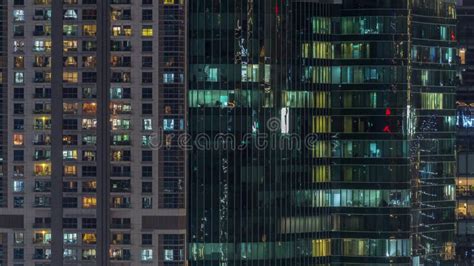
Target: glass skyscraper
{"x": 374, "y": 81}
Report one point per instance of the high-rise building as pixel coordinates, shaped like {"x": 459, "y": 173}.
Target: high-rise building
{"x": 231, "y": 132}
{"x": 254, "y": 95}
{"x": 465, "y": 133}
{"x": 374, "y": 81}
{"x": 88, "y": 91}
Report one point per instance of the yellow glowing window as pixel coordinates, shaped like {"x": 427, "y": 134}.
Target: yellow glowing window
{"x": 89, "y": 108}
{"x": 305, "y": 50}
{"x": 322, "y": 50}
{"x": 432, "y": 101}
{"x": 147, "y": 31}
{"x": 70, "y": 46}
{"x": 89, "y": 202}
{"x": 89, "y": 238}
{"x": 321, "y": 149}
{"x": 70, "y": 77}
{"x": 168, "y": 2}
{"x": 127, "y": 30}
{"x": 89, "y": 30}
{"x": 462, "y": 56}
{"x": 321, "y": 247}
{"x": 42, "y": 169}
{"x": 116, "y": 30}
{"x": 70, "y": 61}
{"x": 17, "y": 139}
{"x": 321, "y": 124}
{"x": 321, "y": 173}
{"x": 321, "y": 99}
{"x": 70, "y": 170}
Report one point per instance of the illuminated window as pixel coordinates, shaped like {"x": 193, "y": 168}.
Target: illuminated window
{"x": 168, "y": 2}
{"x": 18, "y": 46}
{"x": 70, "y": 30}
{"x": 70, "y": 238}
{"x": 147, "y": 31}
{"x": 70, "y": 170}
{"x": 321, "y": 149}
{"x": 89, "y": 123}
{"x": 70, "y": 61}
{"x": 19, "y": 61}
{"x": 89, "y": 202}
{"x": 147, "y": 125}
{"x": 70, "y": 46}
{"x": 89, "y": 30}
{"x": 42, "y": 237}
{"x": 42, "y": 123}
{"x": 321, "y": 124}
{"x": 89, "y": 108}
{"x": 70, "y": 14}
{"x": 18, "y": 186}
{"x": 70, "y": 155}
{"x": 89, "y": 238}
{"x": 17, "y": 139}
{"x": 462, "y": 55}
{"x": 321, "y": 248}
{"x": 147, "y": 254}
{"x": 321, "y": 173}
{"x": 19, "y": 77}
{"x": 18, "y": 15}
{"x": 70, "y": 108}
{"x": 120, "y": 124}
{"x": 70, "y": 77}
{"x": 432, "y": 101}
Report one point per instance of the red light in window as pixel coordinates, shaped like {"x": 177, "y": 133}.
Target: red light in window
{"x": 388, "y": 111}
{"x": 453, "y": 36}
{"x": 277, "y": 9}
{"x": 387, "y": 129}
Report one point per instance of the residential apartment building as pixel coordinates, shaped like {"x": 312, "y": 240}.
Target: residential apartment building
{"x": 89, "y": 90}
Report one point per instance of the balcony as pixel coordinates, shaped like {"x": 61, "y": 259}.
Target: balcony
{"x": 41, "y": 225}
{"x": 120, "y": 226}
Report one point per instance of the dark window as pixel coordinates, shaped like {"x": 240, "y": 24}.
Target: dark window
{"x": 70, "y": 222}
{"x": 89, "y": 14}
{"x": 18, "y": 253}
{"x": 69, "y": 202}
{"x": 70, "y": 124}
{"x": 19, "y": 93}
{"x": 89, "y": 77}
{"x": 18, "y": 124}
{"x": 147, "y": 77}
{"x": 147, "y": 239}
{"x": 70, "y": 93}
{"x": 89, "y": 223}
{"x": 89, "y": 171}
{"x": 147, "y": 46}
{"x": 19, "y": 2}
{"x": 147, "y": 93}
{"x": 18, "y": 108}
{"x": 18, "y": 202}
{"x": 147, "y": 109}
{"x": 147, "y": 171}
{"x": 147, "y": 2}
{"x": 147, "y": 156}
{"x": 147, "y": 187}
{"x": 147, "y": 14}
{"x": 147, "y": 61}
{"x": 18, "y": 155}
